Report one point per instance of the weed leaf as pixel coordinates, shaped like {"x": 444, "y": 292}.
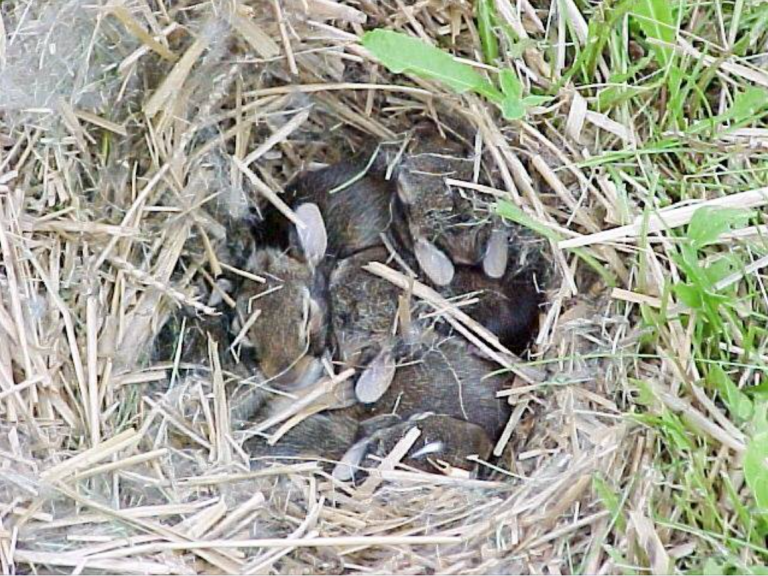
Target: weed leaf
{"x": 656, "y": 21}
{"x": 708, "y": 224}
{"x": 402, "y": 53}
{"x": 738, "y": 403}
{"x": 512, "y": 108}
{"x": 529, "y": 101}
{"x": 747, "y": 106}
{"x": 756, "y": 469}
{"x": 510, "y": 84}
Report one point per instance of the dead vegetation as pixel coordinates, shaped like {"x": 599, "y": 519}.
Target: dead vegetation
{"x": 133, "y": 135}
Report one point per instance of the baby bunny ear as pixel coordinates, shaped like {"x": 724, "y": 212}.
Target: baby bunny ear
{"x": 434, "y": 262}
{"x": 496, "y": 254}
{"x": 405, "y": 187}
{"x": 352, "y": 460}
{"x": 313, "y": 237}
{"x": 376, "y": 378}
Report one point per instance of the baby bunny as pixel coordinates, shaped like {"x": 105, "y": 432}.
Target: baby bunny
{"x": 364, "y": 311}
{"x": 286, "y": 319}
{"x": 439, "y": 224}
{"x": 443, "y": 438}
{"x": 507, "y": 306}
{"x": 324, "y": 435}
{"x": 327, "y": 435}
{"x": 446, "y": 390}
{"x": 445, "y": 377}
{"x": 353, "y": 198}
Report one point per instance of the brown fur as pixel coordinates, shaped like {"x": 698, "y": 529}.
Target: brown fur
{"x": 363, "y": 307}
{"x": 285, "y": 330}
{"x": 443, "y": 438}
{"x": 508, "y": 306}
{"x": 357, "y": 214}
{"x": 446, "y": 378}
{"x": 428, "y": 208}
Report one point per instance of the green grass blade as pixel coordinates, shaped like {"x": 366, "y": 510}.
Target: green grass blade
{"x": 489, "y": 42}
{"x": 513, "y": 213}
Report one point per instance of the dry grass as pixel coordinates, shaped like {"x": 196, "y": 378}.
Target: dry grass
{"x": 132, "y": 135}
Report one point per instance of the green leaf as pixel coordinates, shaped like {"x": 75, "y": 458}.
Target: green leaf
{"x": 724, "y": 266}
{"x": 747, "y": 106}
{"x": 709, "y": 223}
{"x": 713, "y": 568}
{"x": 403, "y": 53}
{"x": 756, "y": 469}
{"x": 760, "y": 419}
{"x": 738, "y": 403}
{"x": 689, "y": 295}
{"x": 488, "y": 39}
{"x": 510, "y": 84}
{"x": 645, "y": 395}
{"x": 611, "y": 501}
{"x": 516, "y": 49}
{"x": 512, "y": 108}
{"x": 657, "y": 23}
{"x": 515, "y": 214}
{"x": 534, "y": 100}
{"x": 760, "y": 391}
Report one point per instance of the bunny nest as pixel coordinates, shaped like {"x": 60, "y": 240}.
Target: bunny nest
{"x": 130, "y": 134}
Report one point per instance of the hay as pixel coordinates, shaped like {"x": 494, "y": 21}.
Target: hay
{"x": 125, "y": 133}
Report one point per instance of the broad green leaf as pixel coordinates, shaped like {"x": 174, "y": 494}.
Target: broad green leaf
{"x": 756, "y": 469}
{"x": 747, "y": 106}
{"x": 534, "y": 100}
{"x": 760, "y": 25}
{"x": 403, "y": 53}
{"x": 708, "y": 224}
{"x": 689, "y": 295}
{"x": 645, "y": 395}
{"x": 724, "y": 266}
{"x": 517, "y": 49}
{"x": 510, "y": 84}
{"x": 514, "y": 105}
{"x": 760, "y": 391}
{"x": 657, "y": 22}
{"x": 512, "y": 108}
{"x": 713, "y": 568}
{"x": 688, "y": 260}
{"x": 738, "y": 403}
{"x": 760, "y": 419}
{"x": 488, "y": 39}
